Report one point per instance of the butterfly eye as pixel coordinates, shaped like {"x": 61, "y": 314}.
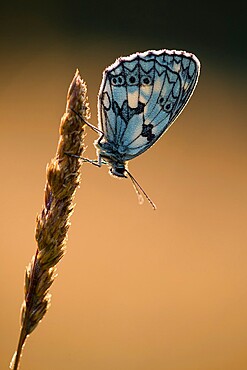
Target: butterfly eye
{"x": 117, "y": 80}
{"x": 132, "y": 80}
{"x": 146, "y": 80}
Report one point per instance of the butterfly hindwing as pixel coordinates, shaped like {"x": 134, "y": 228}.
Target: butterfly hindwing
{"x": 141, "y": 96}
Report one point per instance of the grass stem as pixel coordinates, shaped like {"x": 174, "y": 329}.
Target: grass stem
{"x": 52, "y": 224}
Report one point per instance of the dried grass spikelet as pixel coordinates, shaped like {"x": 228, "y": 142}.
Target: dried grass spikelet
{"x": 52, "y": 225}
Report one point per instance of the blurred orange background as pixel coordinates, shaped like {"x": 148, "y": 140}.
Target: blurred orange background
{"x": 137, "y": 289}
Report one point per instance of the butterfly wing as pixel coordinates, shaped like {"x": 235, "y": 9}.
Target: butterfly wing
{"x": 142, "y": 95}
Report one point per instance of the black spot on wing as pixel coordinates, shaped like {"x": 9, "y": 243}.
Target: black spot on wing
{"x": 147, "y": 132}
{"x": 126, "y": 112}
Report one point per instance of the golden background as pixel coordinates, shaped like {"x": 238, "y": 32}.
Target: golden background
{"x": 137, "y": 289}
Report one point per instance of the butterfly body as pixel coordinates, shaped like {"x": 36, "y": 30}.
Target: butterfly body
{"x": 139, "y": 98}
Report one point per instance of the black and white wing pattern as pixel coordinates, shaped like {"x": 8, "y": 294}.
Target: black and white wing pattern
{"x": 140, "y": 97}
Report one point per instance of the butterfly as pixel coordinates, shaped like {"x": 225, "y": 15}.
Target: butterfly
{"x": 140, "y": 96}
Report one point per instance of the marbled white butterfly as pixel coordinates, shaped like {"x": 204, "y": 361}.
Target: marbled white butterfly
{"x": 139, "y": 98}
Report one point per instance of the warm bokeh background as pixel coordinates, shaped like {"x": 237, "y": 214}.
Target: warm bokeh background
{"x": 137, "y": 289}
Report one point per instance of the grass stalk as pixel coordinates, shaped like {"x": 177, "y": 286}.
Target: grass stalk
{"x": 52, "y": 224}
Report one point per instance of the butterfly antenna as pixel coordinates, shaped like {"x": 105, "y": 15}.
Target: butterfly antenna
{"x": 96, "y": 129}
{"x": 139, "y": 190}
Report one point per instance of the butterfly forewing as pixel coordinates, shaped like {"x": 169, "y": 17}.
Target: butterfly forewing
{"x": 141, "y": 96}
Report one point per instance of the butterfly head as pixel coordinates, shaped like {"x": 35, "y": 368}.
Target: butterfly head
{"x": 112, "y": 156}
{"x": 118, "y": 169}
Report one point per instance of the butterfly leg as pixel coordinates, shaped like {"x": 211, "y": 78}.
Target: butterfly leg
{"x": 96, "y": 162}
{"x": 96, "y": 129}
